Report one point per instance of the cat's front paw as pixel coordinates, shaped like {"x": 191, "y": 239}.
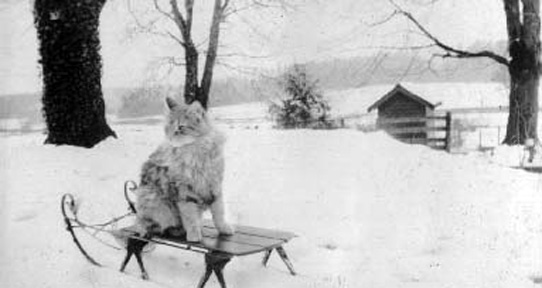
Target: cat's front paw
{"x": 194, "y": 235}
{"x": 225, "y": 229}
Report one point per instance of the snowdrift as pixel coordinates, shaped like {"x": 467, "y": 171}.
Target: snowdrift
{"x": 370, "y": 212}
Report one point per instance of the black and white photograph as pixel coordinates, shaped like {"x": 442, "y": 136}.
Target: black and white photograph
{"x": 270, "y": 143}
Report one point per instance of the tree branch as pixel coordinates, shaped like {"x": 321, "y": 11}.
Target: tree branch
{"x": 179, "y": 20}
{"x": 225, "y": 5}
{"x": 159, "y": 9}
{"x": 176, "y": 39}
{"x": 189, "y": 7}
{"x": 450, "y": 51}
{"x": 171, "y": 60}
{"x": 218, "y": 14}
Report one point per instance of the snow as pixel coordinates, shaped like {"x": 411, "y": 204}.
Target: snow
{"x": 369, "y": 212}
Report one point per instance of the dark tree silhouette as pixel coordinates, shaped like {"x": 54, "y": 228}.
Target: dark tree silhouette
{"x": 69, "y": 44}
{"x": 523, "y": 25}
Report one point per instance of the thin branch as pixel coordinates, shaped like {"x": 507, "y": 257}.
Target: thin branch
{"x": 241, "y": 55}
{"x": 171, "y": 60}
{"x": 383, "y": 21}
{"x": 162, "y": 11}
{"x": 150, "y": 27}
{"x": 400, "y": 48}
{"x": 430, "y": 65}
{"x": 248, "y": 71}
{"x": 233, "y": 9}
{"x": 451, "y": 52}
{"x": 408, "y": 68}
{"x": 189, "y": 7}
{"x": 176, "y": 39}
{"x": 225, "y": 5}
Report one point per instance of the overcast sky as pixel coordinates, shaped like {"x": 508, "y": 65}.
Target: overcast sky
{"x": 251, "y": 41}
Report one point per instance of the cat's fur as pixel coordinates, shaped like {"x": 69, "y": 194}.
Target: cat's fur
{"x": 183, "y": 177}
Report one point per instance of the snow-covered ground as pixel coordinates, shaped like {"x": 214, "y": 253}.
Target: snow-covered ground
{"x": 369, "y": 212}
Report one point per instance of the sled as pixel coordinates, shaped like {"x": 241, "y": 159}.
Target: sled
{"x": 218, "y": 249}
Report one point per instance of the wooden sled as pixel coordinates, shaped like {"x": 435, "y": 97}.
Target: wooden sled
{"x": 218, "y": 249}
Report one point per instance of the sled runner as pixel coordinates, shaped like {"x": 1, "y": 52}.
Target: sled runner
{"x": 218, "y": 249}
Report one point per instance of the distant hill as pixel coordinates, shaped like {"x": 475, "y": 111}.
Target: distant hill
{"x": 381, "y": 68}
{"x": 389, "y": 68}
{"x": 25, "y": 106}
{"x": 28, "y": 105}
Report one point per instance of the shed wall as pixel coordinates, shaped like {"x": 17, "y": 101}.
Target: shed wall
{"x": 399, "y": 106}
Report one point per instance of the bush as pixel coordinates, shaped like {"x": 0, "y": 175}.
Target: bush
{"x": 305, "y": 107}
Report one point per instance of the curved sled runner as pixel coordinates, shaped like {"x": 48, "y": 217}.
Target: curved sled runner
{"x": 68, "y": 200}
{"x": 218, "y": 249}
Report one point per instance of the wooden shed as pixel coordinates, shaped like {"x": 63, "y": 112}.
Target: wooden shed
{"x": 404, "y": 115}
{"x": 400, "y": 102}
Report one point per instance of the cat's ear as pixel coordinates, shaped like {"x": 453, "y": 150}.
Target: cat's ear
{"x": 171, "y": 103}
{"x": 196, "y": 106}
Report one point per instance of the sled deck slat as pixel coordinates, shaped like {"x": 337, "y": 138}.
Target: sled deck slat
{"x": 256, "y": 231}
{"x": 246, "y": 240}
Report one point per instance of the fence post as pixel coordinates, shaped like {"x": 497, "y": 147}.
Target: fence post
{"x": 448, "y": 131}
{"x": 480, "y": 139}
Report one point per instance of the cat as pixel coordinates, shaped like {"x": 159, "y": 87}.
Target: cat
{"x": 183, "y": 177}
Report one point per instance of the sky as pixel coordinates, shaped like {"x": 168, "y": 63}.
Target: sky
{"x": 252, "y": 40}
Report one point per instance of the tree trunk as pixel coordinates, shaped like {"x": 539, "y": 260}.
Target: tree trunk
{"x": 524, "y": 49}
{"x": 523, "y": 111}
{"x": 214, "y": 33}
{"x": 69, "y": 44}
{"x": 191, "y": 89}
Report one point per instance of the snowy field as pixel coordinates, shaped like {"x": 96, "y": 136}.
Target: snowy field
{"x": 369, "y": 212}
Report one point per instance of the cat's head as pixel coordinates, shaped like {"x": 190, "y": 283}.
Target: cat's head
{"x": 185, "y": 122}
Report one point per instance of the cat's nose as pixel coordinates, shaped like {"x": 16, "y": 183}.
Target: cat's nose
{"x": 181, "y": 130}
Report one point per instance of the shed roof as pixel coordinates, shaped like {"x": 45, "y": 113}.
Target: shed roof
{"x": 400, "y": 89}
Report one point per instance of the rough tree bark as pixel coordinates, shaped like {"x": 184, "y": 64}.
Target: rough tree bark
{"x": 69, "y": 44}
{"x": 523, "y": 27}
{"x": 524, "y": 49}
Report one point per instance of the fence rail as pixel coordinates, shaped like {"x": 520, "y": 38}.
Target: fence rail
{"x": 414, "y": 130}
{"x": 420, "y": 130}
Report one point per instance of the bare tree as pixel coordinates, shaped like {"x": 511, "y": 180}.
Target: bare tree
{"x": 73, "y": 103}
{"x": 523, "y": 27}
{"x": 193, "y": 89}
{"x": 180, "y": 13}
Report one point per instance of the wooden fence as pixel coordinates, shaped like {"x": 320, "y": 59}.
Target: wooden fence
{"x": 433, "y": 131}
